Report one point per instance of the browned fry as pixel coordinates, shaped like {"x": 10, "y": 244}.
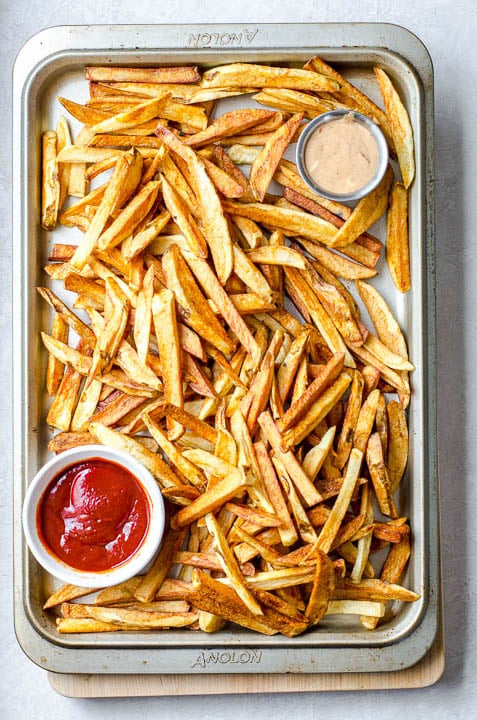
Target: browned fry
{"x": 365, "y": 422}
{"x": 382, "y": 425}
{"x": 278, "y": 255}
{"x": 398, "y": 444}
{"x": 135, "y": 244}
{"x": 67, "y": 440}
{"x": 152, "y": 581}
{"x": 181, "y": 215}
{"x": 379, "y": 476}
{"x": 66, "y": 593}
{"x": 112, "y": 333}
{"x": 397, "y": 241}
{"x": 167, "y": 335}
{"x": 143, "y": 316}
{"x": 287, "y": 532}
{"x": 230, "y": 566}
{"x": 152, "y": 460}
{"x": 197, "y": 426}
{"x": 130, "y": 217}
{"x": 328, "y": 375}
{"x": 64, "y": 403}
{"x": 265, "y": 551}
{"x": 78, "y": 183}
{"x": 88, "y": 625}
{"x": 126, "y": 175}
{"x": 214, "y": 224}
{"x": 68, "y": 317}
{"x": 400, "y": 126}
{"x": 111, "y": 73}
{"x": 257, "y": 397}
{"x": 266, "y": 162}
{"x": 115, "y": 411}
{"x": 323, "y": 584}
{"x": 190, "y": 471}
{"x": 305, "y": 528}
{"x": 316, "y": 412}
{"x": 335, "y": 518}
{"x": 345, "y": 442}
{"x": 240, "y": 74}
{"x": 375, "y": 590}
{"x": 129, "y": 617}
{"x": 255, "y": 515}
{"x": 224, "y": 162}
{"x": 232, "y": 123}
{"x": 217, "y": 294}
{"x": 303, "y": 484}
{"x": 85, "y": 114}
{"x": 289, "y": 366}
{"x": 192, "y": 305}
{"x": 54, "y": 368}
{"x": 387, "y": 328}
{"x": 223, "y": 182}
{"x": 224, "y": 490}
{"x": 371, "y": 376}
{"x": 50, "y": 196}
{"x": 392, "y": 570}
{"x": 294, "y": 222}
{"x": 367, "y": 211}
{"x": 315, "y": 457}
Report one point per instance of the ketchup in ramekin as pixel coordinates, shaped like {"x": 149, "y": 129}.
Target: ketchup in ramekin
{"x": 94, "y": 515}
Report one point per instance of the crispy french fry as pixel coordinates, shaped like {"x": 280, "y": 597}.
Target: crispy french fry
{"x": 215, "y": 226}
{"x": 397, "y": 241}
{"x": 54, "y": 368}
{"x": 345, "y": 442}
{"x": 266, "y": 162}
{"x": 224, "y": 490}
{"x": 317, "y": 411}
{"x": 367, "y": 211}
{"x": 50, "y": 195}
{"x": 143, "y": 75}
{"x": 266, "y": 76}
{"x": 398, "y": 444}
{"x": 181, "y": 215}
{"x": 335, "y": 518}
{"x": 400, "y": 126}
{"x": 167, "y": 335}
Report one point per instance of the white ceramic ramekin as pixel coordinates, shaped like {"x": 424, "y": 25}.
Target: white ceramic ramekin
{"x": 130, "y": 567}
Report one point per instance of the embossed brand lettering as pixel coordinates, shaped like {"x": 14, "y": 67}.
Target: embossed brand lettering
{"x": 246, "y": 37}
{"x": 234, "y": 657}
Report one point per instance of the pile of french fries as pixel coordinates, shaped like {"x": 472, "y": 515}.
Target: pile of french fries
{"x": 272, "y": 438}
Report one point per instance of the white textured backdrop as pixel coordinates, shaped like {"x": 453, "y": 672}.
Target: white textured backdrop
{"x": 449, "y": 29}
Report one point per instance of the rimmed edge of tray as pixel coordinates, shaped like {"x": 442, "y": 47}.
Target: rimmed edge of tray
{"x": 37, "y": 647}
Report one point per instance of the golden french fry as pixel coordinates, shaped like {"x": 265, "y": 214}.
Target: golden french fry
{"x": 217, "y": 294}
{"x": 345, "y": 442}
{"x": 50, "y": 194}
{"x": 295, "y": 222}
{"x": 379, "y": 476}
{"x": 398, "y": 444}
{"x": 215, "y": 227}
{"x": 241, "y": 74}
{"x": 323, "y": 584}
{"x": 400, "y": 126}
{"x": 335, "y": 518}
{"x": 224, "y": 490}
{"x": 191, "y": 303}
{"x": 111, "y": 73}
{"x": 397, "y": 241}
{"x": 167, "y": 335}
{"x": 266, "y": 162}
{"x": 55, "y": 368}
{"x": 180, "y": 214}
{"x": 367, "y": 211}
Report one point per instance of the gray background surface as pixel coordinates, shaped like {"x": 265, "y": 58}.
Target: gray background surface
{"x": 449, "y": 29}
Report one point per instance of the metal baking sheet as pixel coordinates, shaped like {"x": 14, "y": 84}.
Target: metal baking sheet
{"x": 52, "y": 63}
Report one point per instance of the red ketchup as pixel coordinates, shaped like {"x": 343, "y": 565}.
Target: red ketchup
{"x": 93, "y": 515}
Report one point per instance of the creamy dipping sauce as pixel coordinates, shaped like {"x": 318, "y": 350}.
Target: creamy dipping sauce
{"x": 342, "y": 156}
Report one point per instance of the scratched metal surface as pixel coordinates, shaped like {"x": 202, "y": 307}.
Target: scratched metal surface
{"x": 52, "y": 63}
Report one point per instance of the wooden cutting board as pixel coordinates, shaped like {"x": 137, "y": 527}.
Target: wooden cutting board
{"x": 426, "y": 672}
